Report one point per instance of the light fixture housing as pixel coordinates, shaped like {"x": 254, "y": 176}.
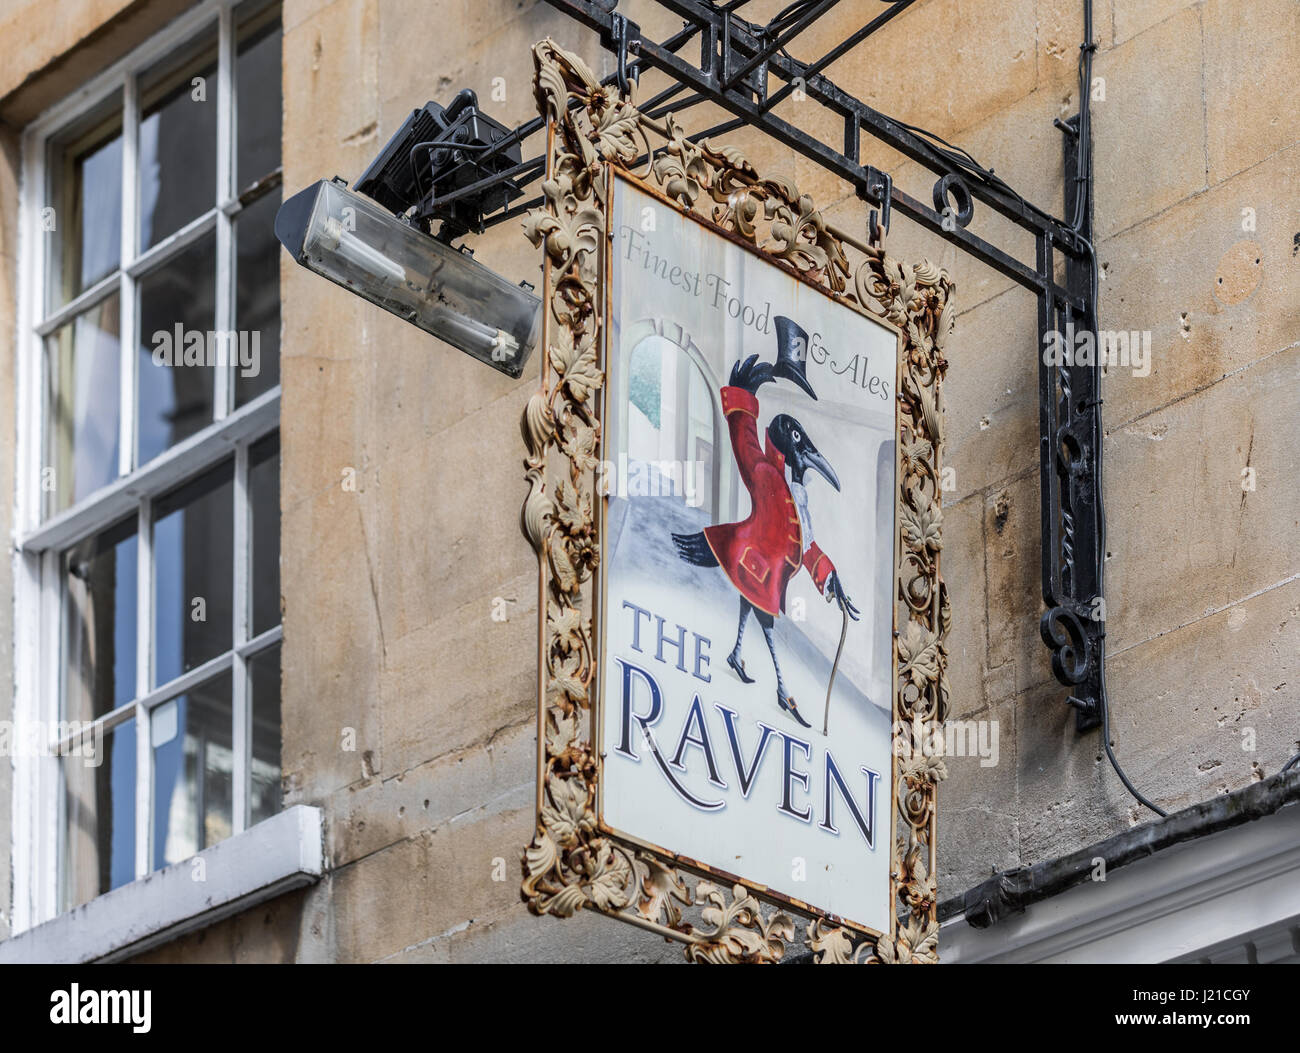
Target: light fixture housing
{"x": 355, "y": 243}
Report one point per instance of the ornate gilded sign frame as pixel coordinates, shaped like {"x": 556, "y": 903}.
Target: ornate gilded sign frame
{"x": 571, "y": 863}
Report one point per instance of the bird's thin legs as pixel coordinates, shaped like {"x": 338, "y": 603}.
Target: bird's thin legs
{"x": 771, "y": 646}
{"x": 745, "y": 608}
{"x": 734, "y": 659}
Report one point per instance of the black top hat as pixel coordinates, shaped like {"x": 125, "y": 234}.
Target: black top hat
{"x": 792, "y": 353}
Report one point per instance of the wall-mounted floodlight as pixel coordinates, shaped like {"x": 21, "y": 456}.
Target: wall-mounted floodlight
{"x": 451, "y": 165}
{"x": 350, "y": 240}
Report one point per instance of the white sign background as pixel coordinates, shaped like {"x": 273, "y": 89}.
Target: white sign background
{"x": 686, "y": 304}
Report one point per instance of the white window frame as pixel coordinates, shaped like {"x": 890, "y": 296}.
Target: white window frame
{"x": 38, "y": 799}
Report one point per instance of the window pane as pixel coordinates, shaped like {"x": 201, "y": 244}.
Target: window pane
{"x": 99, "y": 623}
{"x": 83, "y": 364}
{"x": 176, "y": 350}
{"x": 264, "y": 499}
{"x": 99, "y": 818}
{"x": 193, "y": 574}
{"x": 193, "y": 771}
{"x": 178, "y": 141}
{"x": 264, "y": 682}
{"x": 257, "y": 90}
{"x": 85, "y": 194}
{"x": 257, "y": 300}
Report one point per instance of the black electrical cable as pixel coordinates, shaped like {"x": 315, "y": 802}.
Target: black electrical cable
{"x": 962, "y": 159}
{"x": 441, "y": 144}
{"x": 1103, "y": 697}
{"x": 1086, "y": 51}
{"x": 1084, "y": 167}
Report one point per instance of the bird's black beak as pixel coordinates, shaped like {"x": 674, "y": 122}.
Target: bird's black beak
{"x": 814, "y": 459}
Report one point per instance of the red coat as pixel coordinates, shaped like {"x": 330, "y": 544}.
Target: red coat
{"x": 762, "y": 553}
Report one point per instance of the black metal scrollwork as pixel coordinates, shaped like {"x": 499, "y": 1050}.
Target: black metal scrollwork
{"x": 1074, "y": 626}
{"x": 1062, "y": 630}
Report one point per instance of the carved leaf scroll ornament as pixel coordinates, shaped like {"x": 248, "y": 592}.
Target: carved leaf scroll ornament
{"x": 571, "y": 864}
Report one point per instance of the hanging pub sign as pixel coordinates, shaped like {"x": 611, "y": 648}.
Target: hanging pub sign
{"x": 733, "y": 468}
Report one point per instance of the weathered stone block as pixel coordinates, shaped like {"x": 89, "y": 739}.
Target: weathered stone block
{"x": 331, "y": 71}
{"x": 1192, "y": 729}
{"x": 323, "y": 437}
{"x": 1188, "y": 535}
{"x": 1130, "y": 19}
{"x": 1251, "y": 51}
{"x": 1214, "y": 297}
{"x": 333, "y": 647}
{"x": 458, "y": 787}
{"x": 991, "y": 393}
{"x": 585, "y": 938}
{"x": 962, "y": 567}
{"x": 978, "y": 818}
{"x": 428, "y": 887}
{"x": 462, "y": 679}
{"x": 943, "y": 66}
{"x": 1068, "y": 795}
{"x": 1012, "y": 521}
{"x": 439, "y": 556}
{"x": 1177, "y": 727}
{"x": 1152, "y": 111}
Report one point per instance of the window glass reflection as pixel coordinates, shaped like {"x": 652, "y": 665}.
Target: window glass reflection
{"x": 99, "y": 634}
{"x": 83, "y": 364}
{"x": 264, "y": 682}
{"x": 257, "y": 79}
{"x": 193, "y": 574}
{"x": 83, "y": 215}
{"x": 257, "y": 298}
{"x": 191, "y": 737}
{"x": 99, "y": 817}
{"x": 177, "y": 349}
{"x": 178, "y": 142}
{"x": 264, "y": 498}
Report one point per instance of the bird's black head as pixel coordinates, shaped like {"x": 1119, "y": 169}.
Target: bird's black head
{"x": 788, "y": 436}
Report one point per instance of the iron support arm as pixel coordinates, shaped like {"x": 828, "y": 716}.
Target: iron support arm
{"x": 736, "y": 59}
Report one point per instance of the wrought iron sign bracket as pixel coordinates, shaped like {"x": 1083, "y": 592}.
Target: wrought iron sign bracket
{"x": 736, "y": 62}
{"x": 732, "y": 54}
{"x": 1073, "y": 531}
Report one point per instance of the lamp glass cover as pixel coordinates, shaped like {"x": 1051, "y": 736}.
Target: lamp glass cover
{"x": 356, "y": 243}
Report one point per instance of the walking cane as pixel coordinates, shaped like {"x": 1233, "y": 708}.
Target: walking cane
{"x": 826, "y": 720}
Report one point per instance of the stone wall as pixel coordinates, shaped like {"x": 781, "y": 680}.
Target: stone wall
{"x": 402, "y": 462}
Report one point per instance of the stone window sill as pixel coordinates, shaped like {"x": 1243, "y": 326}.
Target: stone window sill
{"x": 277, "y": 855}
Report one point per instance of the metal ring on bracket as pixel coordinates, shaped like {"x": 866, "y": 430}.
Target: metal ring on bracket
{"x": 962, "y": 204}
